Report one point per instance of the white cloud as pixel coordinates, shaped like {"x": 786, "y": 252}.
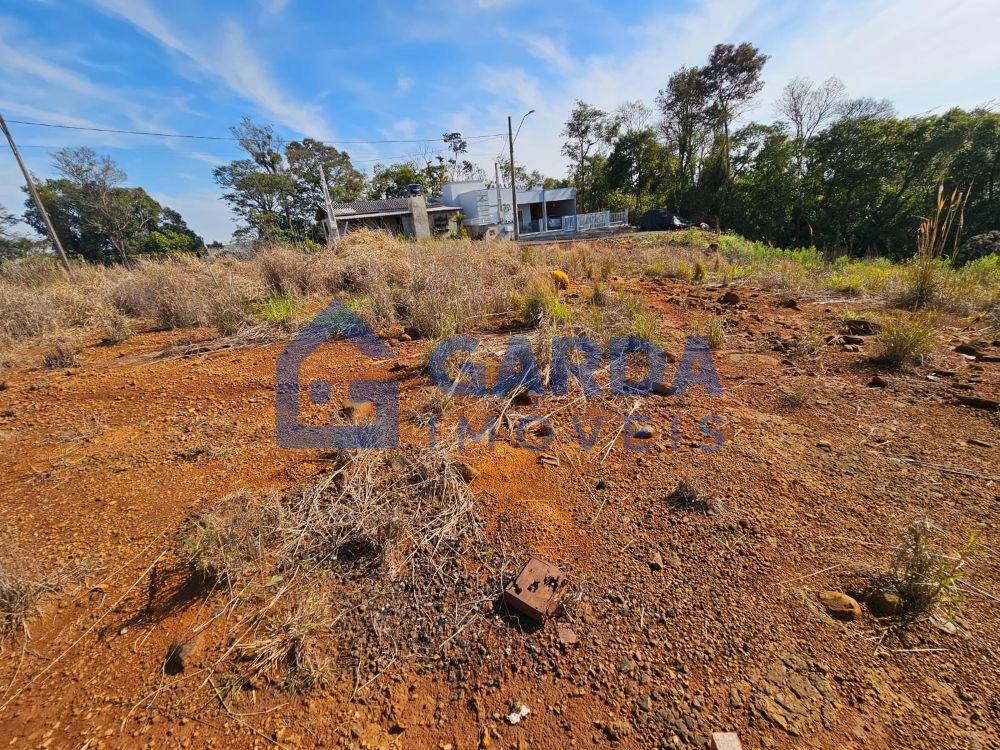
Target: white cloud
{"x": 55, "y": 75}
{"x": 404, "y": 128}
{"x": 274, "y": 6}
{"x": 910, "y": 52}
{"x": 550, "y": 51}
{"x": 511, "y": 84}
{"x": 230, "y": 58}
{"x": 403, "y": 83}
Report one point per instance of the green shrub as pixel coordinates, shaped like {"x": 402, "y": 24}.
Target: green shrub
{"x": 923, "y": 576}
{"x": 278, "y": 310}
{"x": 902, "y": 338}
{"x": 540, "y": 302}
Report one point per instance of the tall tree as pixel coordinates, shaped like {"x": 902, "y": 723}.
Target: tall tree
{"x": 99, "y": 219}
{"x": 639, "y": 166}
{"x": 308, "y": 161}
{"x": 276, "y": 189}
{"x": 732, "y": 78}
{"x": 585, "y": 132}
{"x": 457, "y": 146}
{"x": 807, "y": 108}
{"x": 259, "y": 188}
{"x": 523, "y": 178}
{"x": 632, "y": 116}
{"x": 683, "y": 105}
{"x": 393, "y": 180}
{"x": 258, "y": 198}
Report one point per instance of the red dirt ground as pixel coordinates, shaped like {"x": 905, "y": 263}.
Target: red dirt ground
{"x": 102, "y": 463}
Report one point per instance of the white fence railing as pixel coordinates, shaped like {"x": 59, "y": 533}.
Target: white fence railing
{"x": 596, "y": 220}
{"x": 571, "y": 223}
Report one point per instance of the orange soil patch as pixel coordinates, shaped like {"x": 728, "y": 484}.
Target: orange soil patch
{"x": 104, "y": 462}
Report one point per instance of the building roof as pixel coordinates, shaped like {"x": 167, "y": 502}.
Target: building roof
{"x": 383, "y": 207}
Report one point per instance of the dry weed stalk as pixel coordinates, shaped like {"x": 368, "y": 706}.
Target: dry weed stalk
{"x": 22, "y": 584}
{"x": 934, "y": 236}
{"x": 935, "y": 233}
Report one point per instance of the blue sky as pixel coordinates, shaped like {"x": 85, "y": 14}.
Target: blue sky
{"x": 410, "y": 70}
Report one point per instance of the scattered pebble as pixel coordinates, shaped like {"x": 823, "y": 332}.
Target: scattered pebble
{"x": 840, "y": 605}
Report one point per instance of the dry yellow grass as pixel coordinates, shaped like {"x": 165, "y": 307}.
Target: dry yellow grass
{"x": 435, "y": 287}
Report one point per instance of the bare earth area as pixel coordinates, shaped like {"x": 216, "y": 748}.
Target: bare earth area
{"x": 676, "y": 621}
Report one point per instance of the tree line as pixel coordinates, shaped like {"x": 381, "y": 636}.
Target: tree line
{"x": 831, "y": 171}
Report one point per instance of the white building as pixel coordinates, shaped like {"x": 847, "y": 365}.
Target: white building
{"x": 539, "y": 210}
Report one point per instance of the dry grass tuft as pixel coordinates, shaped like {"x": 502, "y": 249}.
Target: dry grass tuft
{"x": 21, "y": 587}
{"x": 287, "y": 646}
{"x": 712, "y": 328}
{"x": 902, "y": 338}
{"x": 114, "y": 328}
{"x": 227, "y": 546}
{"x": 539, "y": 304}
{"x": 24, "y": 314}
{"x": 60, "y": 354}
{"x": 798, "y": 393}
{"x": 688, "y": 494}
{"x": 378, "y": 532}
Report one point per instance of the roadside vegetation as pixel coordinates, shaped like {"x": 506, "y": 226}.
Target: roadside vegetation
{"x": 418, "y": 288}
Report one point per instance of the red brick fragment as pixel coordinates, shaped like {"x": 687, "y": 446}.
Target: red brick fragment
{"x": 536, "y": 590}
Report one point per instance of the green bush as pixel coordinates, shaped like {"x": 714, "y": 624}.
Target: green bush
{"x": 902, "y": 338}
{"x": 279, "y": 310}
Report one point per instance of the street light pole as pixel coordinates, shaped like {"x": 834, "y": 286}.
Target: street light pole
{"x": 513, "y": 180}
{"x": 496, "y": 176}
{"x": 513, "y": 187}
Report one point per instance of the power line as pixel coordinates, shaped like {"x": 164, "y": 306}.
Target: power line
{"x": 384, "y": 159}
{"x": 233, "y": 138}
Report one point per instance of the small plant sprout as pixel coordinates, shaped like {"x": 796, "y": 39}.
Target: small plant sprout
{"x": 923, "y": 576}
{"x": 798, "y": 393}
{"x": 713, "y": 329}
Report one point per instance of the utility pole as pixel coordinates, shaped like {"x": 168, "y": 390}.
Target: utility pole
{"x": 496, "y": 171}
{"x": 330, "y": 226}
{"x": 38, "y": 201}
{"x": 513, "y": 185}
